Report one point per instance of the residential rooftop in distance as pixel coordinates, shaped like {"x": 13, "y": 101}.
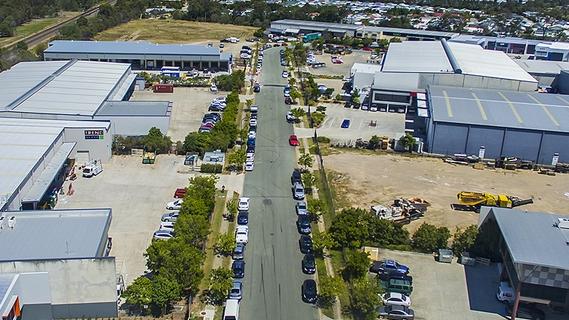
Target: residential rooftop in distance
{"x": 57, "y": 234}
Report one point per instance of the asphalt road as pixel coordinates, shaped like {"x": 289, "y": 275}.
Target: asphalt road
{"x": 273, "y": 274}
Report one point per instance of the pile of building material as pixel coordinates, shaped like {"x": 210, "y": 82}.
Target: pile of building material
{"x": 402, "y": 210}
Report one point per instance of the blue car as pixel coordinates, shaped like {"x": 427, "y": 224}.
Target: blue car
{"x": 388, "y": 268}
{"x": 242, "y": 218}
{"x": 346, "y": 123}
{"x": 238, "y": 268}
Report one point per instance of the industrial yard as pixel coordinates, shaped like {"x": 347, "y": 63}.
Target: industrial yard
{"x": 367, "y": 179}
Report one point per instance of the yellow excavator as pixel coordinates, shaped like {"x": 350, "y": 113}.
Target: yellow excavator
{"x": 472, "y": 201}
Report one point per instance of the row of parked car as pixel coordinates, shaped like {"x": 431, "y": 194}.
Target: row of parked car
{"x": 251, "y": 138}
{"x": 166, "y": 229}
{"x": 398, "y": 285}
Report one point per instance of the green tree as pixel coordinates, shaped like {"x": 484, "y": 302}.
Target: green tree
{"x": 314, "y": 205}
{"x": 139, "y": 293}
{"x": 321, "y": 241}
{"x": 220, "y": 282}
{"x": 306, "y": 160}
{"x": 195, "y": 206}
{"x": 232, "y": 208}
{"x": 308, "y": 180}
{"x": 225, "y": 244}
{"x": 356, "y": 264}
{"x": 236, "y": 159}
{"x": 407, "y": 141}
{"x": 365, "y": 298}
{"x": 429, "y": 238}
{"x": 384, "y": 232}
{"x": 203, "y": 187}
{"x": 317, "y": 118}
{"x": 349, "y": 228}
{"x": 330, "y": 288}
{"x": 374, "y": 142}
{"x": 197, "y": 142}
{"x": 156, "y": 141}
{"x": 298, "y": 112}
{"x": 164, "y": 291}
{"x": 464, "y": 239}
{"x": 192, "y": 229}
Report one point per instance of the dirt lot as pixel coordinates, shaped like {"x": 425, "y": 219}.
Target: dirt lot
{"x": 339, "y": 69}
{"x": 174, "y": 31}
{"x": 364, "y": 180}
{"x": 189, "y": 106}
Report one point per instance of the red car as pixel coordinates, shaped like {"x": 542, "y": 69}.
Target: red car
{"x": 180, "y": 193}
{"x": 293, "y": 140}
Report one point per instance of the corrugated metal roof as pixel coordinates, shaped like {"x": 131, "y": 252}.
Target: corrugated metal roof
{"x": 532, "y": 237}
{"x": 396, "y": 81}
{"x": 474, "y": 60}
{"x": 468, "y": 38}
{"x": 23, "y": 142}
{"x": 505, "y": 109}
{"x": 129, "y": 47}
{"x": 135, "y": 108}
{"x": 543, "y": 67}
{"x": 414, "y": 32}
{"x": 417, "y": 56}
{"x": 57, "y": 234}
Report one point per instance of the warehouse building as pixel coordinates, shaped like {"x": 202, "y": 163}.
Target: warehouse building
{"x": 55, "y": 265}
{"x": 512, "y": 45}
{"x": 529, "y": 125}
{"x": 34, "y": 157}
{"x": 79, "y": 90}
{"x": 410, "y": 67}
{"x": 141, "y": 55}
{"x": 556, "y": 51}
{"x": 296, "y": 27}
{"x": 547, "y": 73}
{"x": 533, "y": 247}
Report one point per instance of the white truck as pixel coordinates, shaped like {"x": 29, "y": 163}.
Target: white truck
{"x": 92, "y": 168}
{"x": 231, "y": 309}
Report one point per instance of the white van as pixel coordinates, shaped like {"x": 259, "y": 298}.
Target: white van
{"x": 505, "y": 292}
{"x": 231, "y": 310}
{"x": 92, "y": 168}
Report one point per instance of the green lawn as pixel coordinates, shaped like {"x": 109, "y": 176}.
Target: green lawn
{"x": 34, "y": 26}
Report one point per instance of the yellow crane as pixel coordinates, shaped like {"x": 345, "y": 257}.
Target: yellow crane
{"x": 472, "y": 201}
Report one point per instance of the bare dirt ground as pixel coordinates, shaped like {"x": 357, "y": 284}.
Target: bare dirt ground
{"x": 365, "y": 179}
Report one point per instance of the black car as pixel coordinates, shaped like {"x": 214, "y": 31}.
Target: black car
{"x": 295, "y": 177}
{"x": 308, "y": 264}
{"x": 303, "y": 224}
{"x": 305, "y": 243}
{"x": 238, "y": 268}
{"x": 254, "y": 116}
{"x": 527, "y": 311}
{"x": 254, "y": 129}
{"x": 212, "y": 115}
{"x": 309, "y": 293}
{"x": 257, "y": 88}
{"x": 242, "y": 218}
{"x": 251, "y": 148}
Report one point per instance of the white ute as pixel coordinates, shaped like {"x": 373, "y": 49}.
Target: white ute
{"x": 92, "y": 168}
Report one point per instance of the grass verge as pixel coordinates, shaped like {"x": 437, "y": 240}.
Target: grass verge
{"x": 321, "y": 268}
{"x": 215, "y": 224}
{"x": 35, "y": 26}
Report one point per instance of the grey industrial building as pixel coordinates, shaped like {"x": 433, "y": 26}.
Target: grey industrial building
{"x": 141, "y": 55}
{"x": 80, "y": 90}
{"x": 55, "y": 265}
{"x": 295, "y": 27}
{"x": 410, "y": 67}
{"x": 533, "y": 247}
{"x": 529, "y": 125}
{"x": 547, "y": 73}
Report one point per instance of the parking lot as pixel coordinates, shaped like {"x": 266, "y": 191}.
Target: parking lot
{"x": 189, "y": 106}
{"x": 450, "y": 291}
{"x": 138, "y": 194}
{"x": 387, "y": 124}
{"x": 339, "y": 69}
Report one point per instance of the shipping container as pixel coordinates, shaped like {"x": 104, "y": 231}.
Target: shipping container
{"x": 163, "y": 88}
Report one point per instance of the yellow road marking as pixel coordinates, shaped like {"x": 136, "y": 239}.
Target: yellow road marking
{"x": 544, "y": 107}
{"x": 480, "y": 107}
{"x": 512, "y": 107}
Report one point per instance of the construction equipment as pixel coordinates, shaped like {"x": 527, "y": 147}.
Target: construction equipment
{"x": 472, "y": 201}
{"x": 402, "y": 210}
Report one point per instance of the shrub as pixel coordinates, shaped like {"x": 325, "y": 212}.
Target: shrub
{"x": 323, "y": 139}
{"x": 211, "y": 168}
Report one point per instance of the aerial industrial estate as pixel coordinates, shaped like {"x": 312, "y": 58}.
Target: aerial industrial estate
{"x": 315, "y": 170}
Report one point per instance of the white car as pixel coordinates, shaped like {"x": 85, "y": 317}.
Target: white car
{"x": 163, "y": 234}
{"x": 252, "y": 135}
{"x": 175, "y": 205}
{"x": 243, "y": 204}
{"x": 285, "y": 74}
{"x": 249, "y": 165}
{"x": 167, "y": 225}
{"x": 213, "y": 88}
{"x": 242, "y": 234}
{"x": 395, "y": 299}
{"x": 250, "y": 157}
{"x": 290, "y": 117}
{"x": 253, "y": 122}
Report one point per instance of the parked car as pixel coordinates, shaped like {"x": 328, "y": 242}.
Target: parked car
{"x": 236, "y": 291}
{"x": 239, "y": 252}
{"x": 295, "y": 177}
{"x": 242, "y": 234}
{"x": 301, "y": 208}
{"x": 293, "y": 140}
{"x": 242, "y": 218}
{"x": 180, "y": 193}
{"x": 528, "y": 311}
{"x": 243, "y": 204}
{"x": 166, "y": 225}
{"x": 395, "y": 299}
{"x": 213, "y": 88}
{"x": 253, "y": 122}
{"x": 303, "y": 224}
{"x": 257, "y": 87}
{"x": 254, "y": 109}
{"x": 308, "y": 264}
{"x": 388, "y": 267}
{"x": 288, "y": 100}
{"x": 249, "y": 165}
{"x": 175, "y": 205}
{"x": 290, "y": 117}
{"x": 170, "y": 216}
{"x": 163, "y": 234}
{"x": 298, "y": 191}
{"x": 309, "y": 292}
{"x": 238, "y": 268}
{"x": 345, "y": 123}
{"x": 285, "y": 74}
{"x": 305, "y": 243}
{"x": 396, "y": 313}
